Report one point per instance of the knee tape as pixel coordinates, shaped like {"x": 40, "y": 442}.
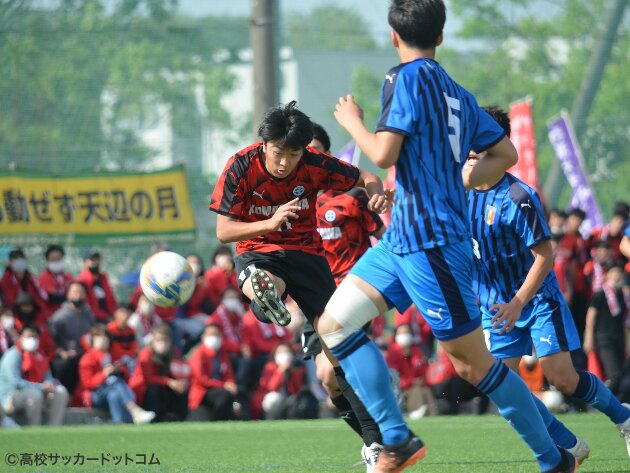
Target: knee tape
{"x": 351, "y": 308}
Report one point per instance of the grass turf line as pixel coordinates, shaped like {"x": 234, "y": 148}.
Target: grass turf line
{"x": 455, "y": 444}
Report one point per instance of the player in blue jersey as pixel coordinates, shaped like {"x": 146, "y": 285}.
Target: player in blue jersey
{"x": 521, "y": 302}
{"x": 428, "y": 124}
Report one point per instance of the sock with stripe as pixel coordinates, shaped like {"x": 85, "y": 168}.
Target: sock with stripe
{"x": 561, "y": 436}
{"x": 514, "y": 401}
{"x": 592, "y": 391}
{"x": 367, "y": 373}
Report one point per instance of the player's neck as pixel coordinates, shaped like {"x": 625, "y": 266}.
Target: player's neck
{"x": 408, "y": 54}
{"x": 486, "y": 187}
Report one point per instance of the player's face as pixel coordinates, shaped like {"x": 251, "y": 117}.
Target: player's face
{"x": 279, "y": 161}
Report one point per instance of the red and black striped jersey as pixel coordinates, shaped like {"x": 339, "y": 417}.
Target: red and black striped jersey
{"x": 345, "y": 225}
{"x": 247, "y": 192}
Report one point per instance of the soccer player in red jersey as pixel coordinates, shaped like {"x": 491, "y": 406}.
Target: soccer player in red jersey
{"x": 266, "y": 201}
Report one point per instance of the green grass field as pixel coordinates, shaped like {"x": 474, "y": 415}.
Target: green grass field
{"x": 456, "y": 444}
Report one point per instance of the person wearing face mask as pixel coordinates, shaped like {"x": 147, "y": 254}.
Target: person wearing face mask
{"x": 212, "y": 384}
{"x": 228, "y": 316}
{"x": 102, "y": 383}
{"x": 409, "y": 361}
{"x": 161, "y": 378}
{"x": 282, "y": 393}
{"x": 54, "y": 280}
{"x": 100, "y": 296}
{"x": 192, "y": 315}
{"x": 221, "y": 276}
{"x": 68, "y": 324}
{"x": 8, "y": 333}
{"x": 143, "y": 320}
{"x": 27, "y": 387}
{"x": 27, "y": 312}
{"x": 605, "y": 325}
{"x": 17, "y": 280}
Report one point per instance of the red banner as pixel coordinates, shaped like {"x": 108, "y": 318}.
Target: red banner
{"x": 524, "y": 141}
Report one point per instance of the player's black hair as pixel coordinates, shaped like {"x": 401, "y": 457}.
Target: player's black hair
{"x": 17, "y": 253}
{"x": 501, "y": 117}
{"x": 320, "y": 134}
{"x": 621, "y": 209}
{"x": 577, "y": 212}
{"x": 287, "y": 126}
{"x": 558, "y": 212}
{"x": 52, "y": 248}
{"x": 419, "y": 23}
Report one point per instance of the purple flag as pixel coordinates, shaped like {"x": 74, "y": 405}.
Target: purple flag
{"x": 350, "y": 153}
{"x": 568, "y": 153}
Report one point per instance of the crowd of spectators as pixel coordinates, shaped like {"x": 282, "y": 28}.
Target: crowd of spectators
{"x": 66, "y": 340}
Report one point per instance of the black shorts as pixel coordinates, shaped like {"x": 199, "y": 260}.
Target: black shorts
{"x": 307, "y": 277}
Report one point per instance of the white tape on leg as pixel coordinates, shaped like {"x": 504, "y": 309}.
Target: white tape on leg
{"x": 351, "y": 308}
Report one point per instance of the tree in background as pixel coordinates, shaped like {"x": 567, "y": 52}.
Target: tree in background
{"x": 79, "y": 78}
{"x": 329, "y": 27}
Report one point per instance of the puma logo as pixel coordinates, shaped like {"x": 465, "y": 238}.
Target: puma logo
{"x": 437, "y": 314}
{"x": 390, "y": 78}
{"x": 548, "y": 340}
{"x": 257, "y": 194}
{"x": 526, "y": 205}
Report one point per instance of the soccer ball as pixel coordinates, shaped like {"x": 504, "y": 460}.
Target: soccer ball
{"x": 167, "y": 279}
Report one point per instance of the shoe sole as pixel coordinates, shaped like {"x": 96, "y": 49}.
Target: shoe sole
{"x": 266, "y": 296}
{"x": 413, "y": 459}
{"x": 579, "y": 462}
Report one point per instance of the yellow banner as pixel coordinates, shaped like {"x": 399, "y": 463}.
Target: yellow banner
{"x": 101, "y": 207}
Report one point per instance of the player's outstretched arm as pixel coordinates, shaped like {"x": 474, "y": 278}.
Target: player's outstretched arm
{"x": 511, "y": 312}
{"x": 230, "y": 230}
{"x": 380, "y": 201}
{"x": 490, "y": 168}
{"x": 381, "y": 148}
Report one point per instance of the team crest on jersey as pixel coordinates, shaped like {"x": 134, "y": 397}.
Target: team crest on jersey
{"x": 491, "y": 212}
{"x": 330, "y": 216}
{"x": 298, "y": 191}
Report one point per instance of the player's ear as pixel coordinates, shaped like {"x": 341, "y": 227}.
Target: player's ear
{"x": 440, "y": 38}
{"x": 395, "y": 38}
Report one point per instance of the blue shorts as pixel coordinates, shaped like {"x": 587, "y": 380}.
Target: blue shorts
{"x": 438, "y": 281}
{"x": 546, "y": 324}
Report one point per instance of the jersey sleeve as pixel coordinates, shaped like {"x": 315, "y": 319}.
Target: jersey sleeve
{"x": 627, "y": 231}
{"x": 528, "y": 217}
{"x": 370, "y": 221}
{"x": 331, "y": 173}
{"x": 488, "y": 132}
{"x": 229, "y": 192}
{"x": 400, "y": 103}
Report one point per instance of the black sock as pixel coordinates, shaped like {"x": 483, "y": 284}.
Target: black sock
{"x": 357, "y": 417}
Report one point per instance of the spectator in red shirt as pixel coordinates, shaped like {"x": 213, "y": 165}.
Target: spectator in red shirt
{"x": 161, "y": 378}
{"x": 281, "y": 393}
{"x": 556, "y": 221}
{"x": 28, "y": 314}
{"x": 143, "y": 320}
{"x": 420, "y": 330}
{"x": 192, "y": 315}
{"x": 561, "y": 268}
{"x": 212, "y": 384}
{"x": 594, "y": 269}
{"x": 103, "y": 383}
{"x": 17, "y": 280}
{"x": 411, "y": 364}
{"x": 53, "y": 279}
{"x": 124, "y": 346}
{"x": 261, "y": 339}
{"x": 100, "y": 296}
{"x": 613, "y": 232}
{"x": 221, "y": 276}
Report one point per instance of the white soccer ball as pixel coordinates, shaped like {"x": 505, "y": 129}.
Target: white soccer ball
{"x": 167, "y": 279}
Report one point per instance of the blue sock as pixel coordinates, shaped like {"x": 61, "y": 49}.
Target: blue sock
{"x": 514, "y": 400}
{"x": 368, "y": 375}
{"x": 592, "y": 391}
{"x": 561, "y": 436}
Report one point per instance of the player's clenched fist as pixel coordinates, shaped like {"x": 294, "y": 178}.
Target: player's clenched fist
{"x": 380, "y": 203}
{"x": 284, "y": 213}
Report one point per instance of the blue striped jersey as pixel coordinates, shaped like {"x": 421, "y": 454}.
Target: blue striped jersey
{"x": 506, "y": 221}
{"x": 441, "y": 122}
